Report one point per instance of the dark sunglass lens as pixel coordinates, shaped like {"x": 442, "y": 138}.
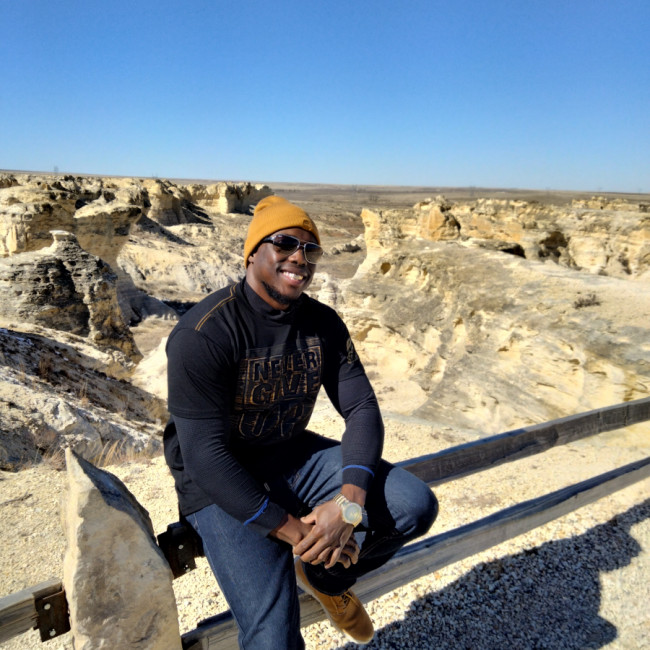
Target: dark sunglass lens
{"x": 286, "y": 243}
{"x": 313, "y": 253}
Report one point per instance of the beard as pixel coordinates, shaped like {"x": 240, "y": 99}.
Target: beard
{"x": 277, "y": 296}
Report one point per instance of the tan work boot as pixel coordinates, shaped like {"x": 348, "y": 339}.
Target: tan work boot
{"x": 345, "y": 611}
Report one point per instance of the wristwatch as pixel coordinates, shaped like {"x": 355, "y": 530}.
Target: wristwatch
{"x": 351, "y": 512}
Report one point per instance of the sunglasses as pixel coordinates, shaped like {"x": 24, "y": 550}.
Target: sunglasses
{"x": 288, "y": 245}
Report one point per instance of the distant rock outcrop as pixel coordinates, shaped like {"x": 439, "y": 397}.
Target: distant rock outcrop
{"x": 172, "y": 204}
{"x": 98, "y": 213}
{"x": 488, "y": 341}
{"x": 64, "y": 287}
{"x": 226, "y": 198}
{"x": 101, "y": 213}
{"x": 598, "y": 236}
{"x": 613, "y": 239}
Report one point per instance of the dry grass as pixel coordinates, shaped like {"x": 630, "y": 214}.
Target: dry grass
{"x": 45, "y": 367}
{"x": 590, "y": 300}
{"x": 119, "y": 452}
{"x": 55, "y": 458}
{"x": 47, "y": 448}
{"x": 83, "y": 394}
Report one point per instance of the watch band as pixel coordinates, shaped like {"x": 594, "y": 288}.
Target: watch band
{"x": 351, "y": 512}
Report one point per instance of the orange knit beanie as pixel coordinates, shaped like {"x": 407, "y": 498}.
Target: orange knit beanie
{"x": 272, "y": 214}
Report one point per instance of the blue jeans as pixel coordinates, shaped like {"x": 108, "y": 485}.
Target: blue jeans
{"x": 256, "y": 573}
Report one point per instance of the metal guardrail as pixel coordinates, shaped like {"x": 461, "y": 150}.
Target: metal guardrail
{"x": 424, "y": 557}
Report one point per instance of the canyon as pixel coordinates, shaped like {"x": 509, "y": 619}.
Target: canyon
{"x": 474, "y": 314}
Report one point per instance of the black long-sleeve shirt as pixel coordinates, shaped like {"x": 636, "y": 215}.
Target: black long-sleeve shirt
{"x": 243, "y": 380}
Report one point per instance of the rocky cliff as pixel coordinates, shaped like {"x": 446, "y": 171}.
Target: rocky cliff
{"x": 481, "y": 315}
{"x": 69, "y": 301}
{"x": 102, "y": 212}
{"x": 492, "y": 332}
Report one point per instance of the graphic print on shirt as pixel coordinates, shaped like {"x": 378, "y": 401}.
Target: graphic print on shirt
{"x": 351, "y": 351}
{"x": 276, "y": 391}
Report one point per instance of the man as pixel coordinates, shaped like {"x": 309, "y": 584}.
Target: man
{"x": 245, "y": 366}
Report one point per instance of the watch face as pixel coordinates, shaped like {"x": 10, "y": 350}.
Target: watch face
{"x": 352, "y": 513}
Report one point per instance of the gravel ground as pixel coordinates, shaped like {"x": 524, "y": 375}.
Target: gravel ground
{"x": 578, "y": 582}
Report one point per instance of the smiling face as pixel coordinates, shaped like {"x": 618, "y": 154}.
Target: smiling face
{"x": 277, "y": 278}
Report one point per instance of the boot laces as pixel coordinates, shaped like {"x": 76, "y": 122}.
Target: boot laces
{"x": 343, "y": 601}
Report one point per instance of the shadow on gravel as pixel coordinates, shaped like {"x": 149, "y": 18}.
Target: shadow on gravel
{"x": 546, "y": 597}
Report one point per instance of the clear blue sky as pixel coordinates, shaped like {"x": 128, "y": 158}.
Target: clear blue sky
{"x": 512, "y": 93}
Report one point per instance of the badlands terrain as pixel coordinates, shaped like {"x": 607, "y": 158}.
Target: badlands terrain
{"x": 475, "y": 312}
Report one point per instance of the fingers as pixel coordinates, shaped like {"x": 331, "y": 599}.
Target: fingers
{"x": 327, "y": 541}
{"x": 334, "y": 558}
{"x": 317, "y": 551}
{"x": 351, "y": 551}
{"x": 347, "y": 554}
{"x": 304, "y": 545}
{"x": 312, "y": 549}
{"x": 345, "y": 561}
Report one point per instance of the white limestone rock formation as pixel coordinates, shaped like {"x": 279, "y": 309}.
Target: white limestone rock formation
{"x": 27, "y": 215}
{"x": 96, "y": 210}
{"x": 117, "y": 581}
{"x": 227, "y": 198}
{"x": 185, "y": 262}
{"x": 99, "y": 212}
{"x": 58, "y": 390}
{"x": 172, "y": 204}
{"x": 483, "y": 340}
{"x": 7, "y": 180}
{"x": 166, "y": 202}
{"x": 64, "y": 287}
{"x": 107, "y": 213}
{"x": 611, "y": 239}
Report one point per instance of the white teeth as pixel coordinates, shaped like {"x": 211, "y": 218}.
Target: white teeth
{"x": 293, "y": 276}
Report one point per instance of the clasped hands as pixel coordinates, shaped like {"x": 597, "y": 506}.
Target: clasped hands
{"x": 321, "y": 537}
{"x": 330, "y": 539}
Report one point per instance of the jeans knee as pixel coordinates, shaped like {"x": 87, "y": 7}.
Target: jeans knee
{"x": 425, "y": 511}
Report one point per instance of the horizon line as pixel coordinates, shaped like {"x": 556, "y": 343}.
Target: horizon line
{"x": 374, "y": 187}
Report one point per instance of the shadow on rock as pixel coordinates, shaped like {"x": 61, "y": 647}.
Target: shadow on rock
{"x": 545, "y": 597}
